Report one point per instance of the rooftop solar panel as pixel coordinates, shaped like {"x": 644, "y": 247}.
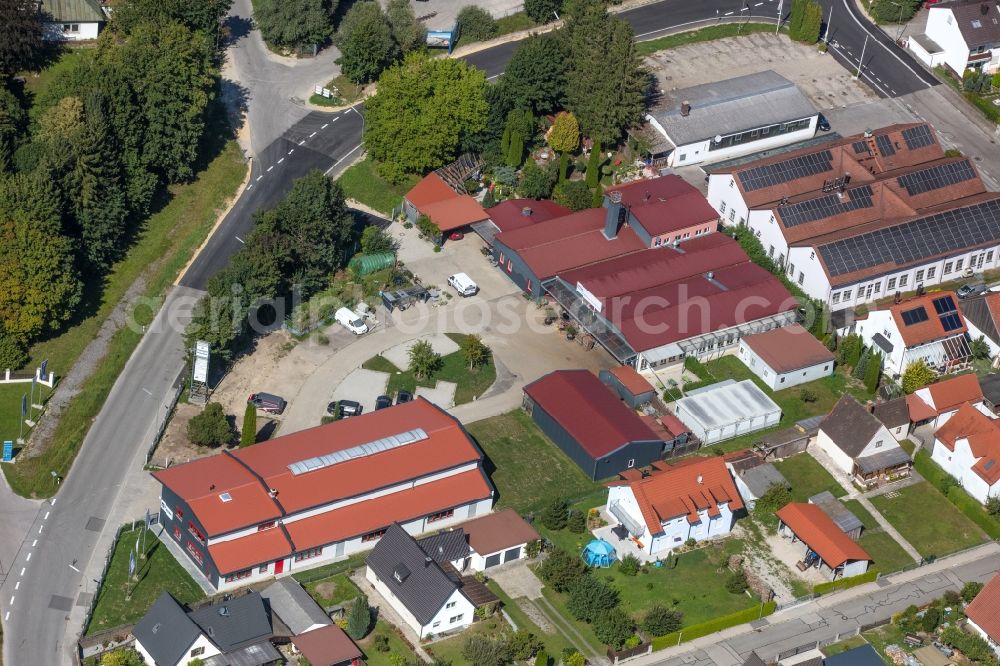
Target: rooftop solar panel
{"x": 918, "y": 137}
{"x": 944, "y": 304}
{"x": 924, "y": 237}
{"x": 884, "y": 144}
{"x": 914, "y": 316}
{"x": 937, "y": 177}
{"x": 782, "y": 172}
{"x": 826, "y": 206}
{"x": 951, "y": 322}
{"x": 860, "y": 147}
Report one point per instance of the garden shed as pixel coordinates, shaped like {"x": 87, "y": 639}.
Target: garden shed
{"x": 630, "y": 386}
{"x": 726, "y": 410}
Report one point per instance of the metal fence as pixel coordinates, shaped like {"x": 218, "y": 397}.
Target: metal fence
{"x": 165, "y": 417}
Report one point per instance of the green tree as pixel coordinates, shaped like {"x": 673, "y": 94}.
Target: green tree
{"x": 660, "y": 620}
{"x": 917, "y": 375}
{"x": 12, "y": 126}
{"x": 594, "y": 162}
{"x": 992, "y": 502}
{"x": 205, "y": 16}
{"x": 423, "y": 108}
{"x": 536, "y": 182}
{"x": 561, "y": 569}
{"x": 970, "y": 590}
{"x": 892, "y": 11}
{"x": 484, "y": 650}
{"x": 542, "y": 11}
{"x": 541, "y": 659}
{"x": 564, "y": 137}
{"x": 605, "y": 86}
{"x": 475, "y": 352}
{"x": 574, "y": 658}
{"x": 423, "y": 359}
{"x": 576, "y": 521}
{"x": 522, "y": 645}
{"x": 20, "y": 36}
{"x": 556, "y": 514}
{"x": 475, "y": 24}
{"x": 861, "y": 368}
{"x": 121, "y": 657}
{"x": 519, "y": 129}
{"x": 573, "y": 194}
{"x": 873, "y": 372}
{"x": 629, "y": 565}
{"x": 535, "y": 77}
{"x": 931, "y": 619}
{"x": 773, "y": 499}
{"x": 980, "y": 348}
{"x": 210, "y": 427}
{"x": 374, "y": 240}
{"x": 13, "y": 350}
{"x": 812, "y": 22}
{"x": 293, "y": 23}
{"x": 613, "y": 627}
{"x": 248, "y": 434}
{"x": 366, "y": 42}
{"x": 359, "y": 619}
{"x": 736, "y": 583}
{"x": 409, "y": 34}
{"x": 796, "y": 16}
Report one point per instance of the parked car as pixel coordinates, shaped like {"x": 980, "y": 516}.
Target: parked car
{"x": 350, "y": 408}
{"x": 403, "y": 396}
{"x": 272, "y": 404}
{"x": 463, "y": 284}
{"x": 822, "y": 124}
{"x": 351, "y": 321}
{"x": 967, "y": 290}
{"x": 382, "y": 402}
{"x": 456, "y": 236}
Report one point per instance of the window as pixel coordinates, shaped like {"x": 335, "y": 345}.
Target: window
{"x": 802, "y": 277}
{"x": 847, "y": 294}
{"x": 262, "y": 568}
{"x": 812, "y": 255}
{"x": 265, "y": 526}
{"x": 958, "y": 264}
{"x": 195, "y": 532}
{"x": 451, "y": 604}
{"x": 931, "y": 272}
{"x": 631, "y": 463}
{"x": 770, "y": 251}
{"x": 878, "y": 443}
{"x": 308, "y": 554}
{"x": 179, "y": 512}
{"x": 71, "y": 27}
{"x": 989, "y": 256}
{"x": 457, "y": 618}
{"x": 903, "y": 279}
{"x": 239, "y": 575}
{"x": 732, "y": 216}
{"x": 177, "y": 534}
{"x": 683, "y": 157}
{"x": 836, "y": 298}
{"x": 373, "y": 536}
{"x": 891, "y": 284}
{"x": 436, "y": 624}
{"x": 732, "y": 183}
{"x": 878, "y": 287}
{"x": 781, "y": 381}
{"x": 198, "y": 651}
{"x": 947, "y": 267}
{"x": 441, "y": 515}
{"x": 791, "y": 269}
{"x": 722, "y": 208}
{"x": 919, "y": 277}
{"x": 195, "y": 553}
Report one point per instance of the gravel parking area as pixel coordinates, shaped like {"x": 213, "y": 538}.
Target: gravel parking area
{"x": 362, "y": 386}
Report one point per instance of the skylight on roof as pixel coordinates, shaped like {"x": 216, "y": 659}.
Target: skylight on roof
{"x": 976, "y": 23}
{"x": 360, "y": 451}
{"x": 226, "y": 497}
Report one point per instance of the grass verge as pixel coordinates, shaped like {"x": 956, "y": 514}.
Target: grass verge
{"x": 808, "y": 477}
{"x": 555, "y": 643}
{"x": 335, "y": 589}
{"x": 957, "y": 495}
{"x": 10, "y": 408}
{"x": 363, "y": 183}
{"x": 157, "y": 572}
{"x": 168, "y": 241}
{"x": 344, "y": 92}
{"x": 704, "y": 35}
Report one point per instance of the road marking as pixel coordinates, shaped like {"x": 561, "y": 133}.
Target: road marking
{"x": 250, "y": 186}
{"x": 312, "y": 135}
{"x": 639, "y": 38}
{"x": 887, "y": 49}
{"x": 11, "y": 600}
{"x": 47, "y": 515}
{"x": 269, "y": 168}
{"x": 17, "y": 586}
{"x": 302, "y": 141}
{"x": 728, "y": 14}
{"x": 291, "y": 151}
{"x": 22, "y": 571}
{"x": 74, "y": 568}
{"x": 325, "y": 126}
{"x": 259, "y": 177}
{"x": 147, "y": 391}
{"x": 335, "y": 119}
{"x": 28, "y": 558}
{"x": 240, "y": 239}
{"x": 34, "y": 543}
{"x": 53, "y": 502}
{"x": 758, "y": 4}
{"x": 495, "y": 76}
{"x": 327, "y": 172}
{"x": 281, "y": 160}
{"x": 6, "y": 617}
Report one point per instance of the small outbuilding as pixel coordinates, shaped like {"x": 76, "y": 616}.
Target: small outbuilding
{"x": 848, "y": 523}
{"x": 497, "y": 538}
{"x": 755, "y": 481}
{"x": 634, "y": 389}
{"x": 786, "y": 356}
{"x": 826, "y": 546}
{"x": 590, "y": 424}
{"x": 726, "y": 410}
{"x": 328, "y": 646}
{"x": 446, "y": 208}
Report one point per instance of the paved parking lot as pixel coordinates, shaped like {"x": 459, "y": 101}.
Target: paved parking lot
{"x": 361, "y": 386}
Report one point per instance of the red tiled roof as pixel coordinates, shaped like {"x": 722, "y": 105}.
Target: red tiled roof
{"x": 985, "y": 608}
{"x": 498, "y": 531}
{"x": 931, "y": 328}
{"x": 821, "y": 534}
{"x": 200, "y": 482}
{"x": 918, "y": 409}
{"x": 239, "y": 554}
{"x": 683, "y": 489}
{"x": 666, "y": 204}
{"x": 594, "y": 416}
{"x": 327, "y": 646}
{"x": 788, "y": 348}
{"x": 674, "y": 425}
{"x": 644, "y": 192}
{"x": 454, "y": 213}
{"x": 948, "y": 394}
{"x": 431, "y": 189}
{"x": 633, "y": 382}
{"x": 983, "y": 436}
{"x": 509, "y": 215}
{"x": 553, "y": 231}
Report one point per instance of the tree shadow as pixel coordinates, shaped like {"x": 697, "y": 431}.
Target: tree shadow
{"x": 235, "y": 28}
{"x": 266, "y": 432}
{"x": 235, "y": 100}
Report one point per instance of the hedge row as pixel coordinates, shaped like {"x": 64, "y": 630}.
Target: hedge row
{"x": 962, "y": 500}
{"x": 712, "y": 626}
{"x": 846, "y": 583}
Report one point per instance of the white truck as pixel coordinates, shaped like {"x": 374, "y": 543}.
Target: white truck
{"x": 463, "y": 284}
{"x": 351, "y": 321}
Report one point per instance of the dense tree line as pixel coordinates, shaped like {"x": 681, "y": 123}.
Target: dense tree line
{"x": 289, "y": 24}
{"x": 109, "y": 131}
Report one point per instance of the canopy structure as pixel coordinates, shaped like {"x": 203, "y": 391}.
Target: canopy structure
{"x": 599, "y": 553}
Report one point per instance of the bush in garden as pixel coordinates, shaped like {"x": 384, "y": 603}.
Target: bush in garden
{"x": 576, "y": 522}
{"x": 629, "y": 565}
{"x": 660, "y": 621}
{"x": 561, "y": 569}
{"x": 613, "y": 627}
{"x": 589, "y": 596}
{"x": 556, "y": 514}
{"x": 970, "y": 590}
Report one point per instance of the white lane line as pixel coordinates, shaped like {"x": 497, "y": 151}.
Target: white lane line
{"x": 250, "y": 186}
{"x": 325, "y": 126}
{"x": 335, "y": 119}
{"x": 312, "y": 135}
{"x": 495, "y": 76}
{"x": 74, "y": 568}
{"x": 291, "y": 151}
{"x": 728, "y": 14}
{"x": 6, "y": 617}
{"x": 47, "y": 515}
{"x": 28, "y": 558}
{"x": 281, "y": 160}
{"x": 34, "y": 543}
{"x": 887, "y": 49}
{"x": 53, "y": 502}
{"x": 758, "y": 4}
{"x": 22, "y": 571}
{"x": 147, "y": 391}
{"x": 240, "y": 240}
{"x": 40, "y": 528}
{"x": 17, "y": 586}
{"x": 259, "y": 177}
{"x": 302, "y": 141}
{"x": 11, "y": 600}
{"x": 269, "y": 168}
{"x": 327, "y": 173}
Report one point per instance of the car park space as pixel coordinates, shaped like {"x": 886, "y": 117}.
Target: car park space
{"x": 363, "y": 386}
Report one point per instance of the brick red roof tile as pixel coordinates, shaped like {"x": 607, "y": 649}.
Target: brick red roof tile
{"x": 431, "y": 189}
{"x": 788, "y": 348}
{"x": 948, "y": 394}
{"x": 929, "y": 330}
{"x": 985, "y": 608}
{"x": 327, "y": 646}
{"x": 821, "y": 534}
{"x": 983, "y": 436}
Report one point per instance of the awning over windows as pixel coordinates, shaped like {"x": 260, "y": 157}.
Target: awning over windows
{"x": 634, "y": 528}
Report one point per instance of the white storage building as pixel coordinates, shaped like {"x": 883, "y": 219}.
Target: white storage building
{"x": 726, "y": 410}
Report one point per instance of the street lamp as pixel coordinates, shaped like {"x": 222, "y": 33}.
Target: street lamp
{"x": 902, "y": 26}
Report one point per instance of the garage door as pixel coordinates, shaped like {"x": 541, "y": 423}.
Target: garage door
{"x": 512, "y": 554}
{"x": 493, "y": 560}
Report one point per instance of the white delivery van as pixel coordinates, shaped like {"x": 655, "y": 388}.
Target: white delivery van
{"x": 351, "y": 321}
{"x": 463, "y": 284}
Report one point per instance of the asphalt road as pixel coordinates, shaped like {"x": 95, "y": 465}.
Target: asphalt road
{"x": 43, "y": 589}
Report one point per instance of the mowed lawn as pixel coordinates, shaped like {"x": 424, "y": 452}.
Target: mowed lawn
{"x": 889, "y": 556}
{"x": 10, "y": 408}
{"x": 928, "y": 520}
{"x": 808, "y": 477}
{"x": 526, "y": 467}
{"x": 362, "y": 182}
{"x": 159, "y": 571}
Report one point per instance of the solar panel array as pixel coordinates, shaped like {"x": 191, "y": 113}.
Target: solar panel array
{"x": 948, "y": 313}
{"x": 921, "y": 238}
{"x": 782, "y": 172}
{"x": 937, "y": 177}
{"x": 360, "y": 451}
{"x": 944, "y": 305}
{"x": 918, "y": 137}
{"x": 884, "y": 144}
{"x": 860, "y": 147}
{"x": 914, "y": 316}
{"x": 821, "y": 208}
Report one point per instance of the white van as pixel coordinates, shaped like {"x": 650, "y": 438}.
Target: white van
{"x": 463, "y": 284}
{"x": 351, "y": 321}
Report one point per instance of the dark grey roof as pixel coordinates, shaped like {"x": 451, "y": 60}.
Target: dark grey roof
{"x": 733, "y": 105}
{"x": 882, "y": 343}
{"x": 990, "y": 384}
{"x": 84, "y": 11}
{"x": 758, "y": 479}
{"x": 893, "y": 414}
{"x": 293, "y": 605}
{"x": 850, "y": 426}
{"x": 837, "y": 512}
{"x": 235, "y": 623}
{"x": 859, "y": 656}
{"x": 165, "y": 631}
{"x": 256, "y": 654}
{"x": 754, "y": 660}
{"x": 977, "y": 311}
{"x": 892, "y": 457}
{"x": 446, "y": 546}
{"x": 978, "y": 27}
{"x": 419, "y": 583}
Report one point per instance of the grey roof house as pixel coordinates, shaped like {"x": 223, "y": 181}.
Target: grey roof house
{"x": 292, "y": 606}
{"x": 754, "y": 481}
{"x": 861, "y": 446}
{"x": 71, "y": 20}
{"x": 842, "y": 517}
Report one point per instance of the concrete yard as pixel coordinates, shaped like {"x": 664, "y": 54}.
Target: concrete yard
{"x": 362, "y": 386}
{"x": 399, "y": 355}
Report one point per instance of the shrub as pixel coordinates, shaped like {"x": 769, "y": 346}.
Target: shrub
{"x": 589, "y": 596}
{"x": 576, "y": 522}
{"x": 248, "y": 435}
{"x": 536, "y": 182}
{"x": 573, "y": 658}
{"x": 930, "y": 620}
{"x": 542, "y": 11}
{"x": 359, "y": 619}
{"x": 556, "y": 514}
{"x": 974, "y": 647}
{"x": 381, "y": 643}
{"x": 613, "y": 627}
{"x": 970, "y": 590}
{"x": 476, "y": 24}
{"x": 210, "y": 427}
{"x": 629, "y": 565}
{"x": 560, "y": 570}
{"x": 808, "y": 395}
{"x": 737, "y": 582}
{"x": 573, "y": 194}
{"x": 632, "y": 641}
{"x": 483, "y": 650}
{"x": 660, "y": 620}
{"x": 533, "y": 548}
{"x": 521, "y": 645}
{"x": 424, "y": 361}
{"x": 541, "y": 659}
{"x": 690, "y": 543}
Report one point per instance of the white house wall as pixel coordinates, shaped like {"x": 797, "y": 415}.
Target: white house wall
{"x": 958, "y": 464}
{"x": 975, "y": 333}
{"x": 855, "y": 568}
{"x": 776, "y": 381}
{"x": 986, "y": 637}
{"x": 201, "y": 642}
{"x": 882, "y": 441}
{"x": 676, "y": 530}
{"x": 396, "y": 604}
{"x": 724, "y": 195}
{"x": 943, "y": 29}
{"x": 881, "y": 321}
{"x": 699, "y": 153}
{"x": 442, "y": 623}
{"x": 53, "y": 32}
{"x": 841, "y": 459}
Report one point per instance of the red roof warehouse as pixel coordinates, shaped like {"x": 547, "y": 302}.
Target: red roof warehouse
{"x": 323, "y": 493}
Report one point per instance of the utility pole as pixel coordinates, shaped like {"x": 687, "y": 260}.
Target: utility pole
{"x": 861, "y": 62}
{"x": 778, "y": 29}
{"x": 829, "y": 20}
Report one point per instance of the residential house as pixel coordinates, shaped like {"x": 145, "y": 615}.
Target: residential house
{"x": 726, "y": 119}
{"x": 727, "y": 409}
{"x": 497, "y": 538}
{"x": 71, "y": 20}
{"x": 826, "y": 546}
{"x": 512, "y": 214}
{"x": 321, "y": 494}
{"x": 895, "y": 416}
{"x": 961, "y": 35}
{"x": 234, "y": 631}
{"x": 982, "y": 318}
{"x": 590, "y": 424}
{"x": 754, "y": 482}
{"x": 422, "y": 586}
{"x": 935, "y": 403}
{"x": 785, "y": 357}
{"x": 328, "y": 646}
{"x": 968, "y": 448}
{"x": 860, "y": 446}
{"x": 928, "y": 328}
{"x": 832, "y": 214}
{"x": 984, "y": 613}
{"x": 695, "y": 499}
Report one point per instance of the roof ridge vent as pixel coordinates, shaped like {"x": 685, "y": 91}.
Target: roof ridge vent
{"x": 360, "y": 451}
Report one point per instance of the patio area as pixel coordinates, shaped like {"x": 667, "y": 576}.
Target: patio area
{"x": 624, "y": 543}
{"x": 790, "y": 554}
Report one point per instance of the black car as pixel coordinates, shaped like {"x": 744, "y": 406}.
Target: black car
{"x": 273, "y": 404}
{"x": 350, "y": 408}
{"x": 823, "y": 125}
{"x": 382, "y": 402}
{"x": 403, "y": 396}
